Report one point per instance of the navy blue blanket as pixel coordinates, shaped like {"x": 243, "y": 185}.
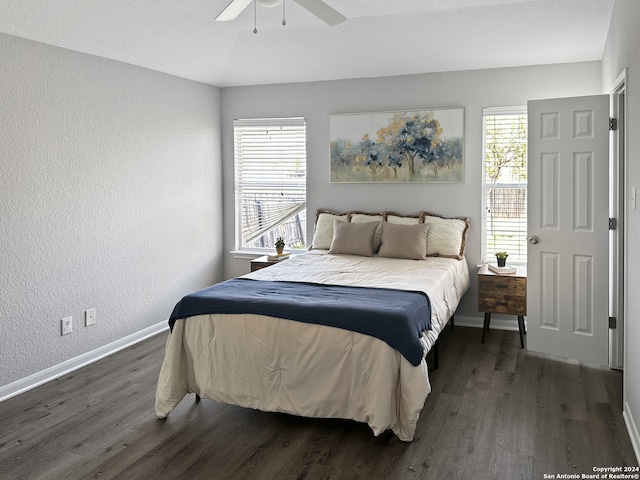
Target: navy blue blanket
{"x": 397, "y": 317}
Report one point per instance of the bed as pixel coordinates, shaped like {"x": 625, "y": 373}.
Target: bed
{"x": 277, "y": 364}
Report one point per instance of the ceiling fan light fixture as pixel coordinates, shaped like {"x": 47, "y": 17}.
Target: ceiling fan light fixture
{"x": 270, "y": 3}
{"x": 319, "y": 8}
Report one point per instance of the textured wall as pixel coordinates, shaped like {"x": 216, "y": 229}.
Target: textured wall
{"x": 110, "y": 199}
{"x": 472, "y": 90}
{"x": 621, "y": 52}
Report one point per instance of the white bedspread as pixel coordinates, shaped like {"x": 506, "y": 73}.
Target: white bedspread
{"x": 311, "y": 370}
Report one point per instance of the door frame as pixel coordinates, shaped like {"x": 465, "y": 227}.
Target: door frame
{"x": 618, "y": 241}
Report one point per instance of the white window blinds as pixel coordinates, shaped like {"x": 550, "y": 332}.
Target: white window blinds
{"x": 271, "y": 181}
{"x": 505, "y": 184}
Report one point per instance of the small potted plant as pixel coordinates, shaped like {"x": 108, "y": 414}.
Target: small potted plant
{"x": 280, "y": 245}
{"x": 501, "y": 257}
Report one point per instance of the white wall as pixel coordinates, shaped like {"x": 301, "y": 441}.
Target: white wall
{"x": 110, "y": 198}
{"x": 472, "y": 90}
{"x": 622, "y": 51}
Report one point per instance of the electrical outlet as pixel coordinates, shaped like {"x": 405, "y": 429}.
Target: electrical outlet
{"x": 67, "y": 325}
{"x": 90, "y": 317}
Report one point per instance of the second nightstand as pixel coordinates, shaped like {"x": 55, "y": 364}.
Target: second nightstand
{"x": 503, "y": 294}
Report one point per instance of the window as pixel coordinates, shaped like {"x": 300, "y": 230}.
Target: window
{"x": 504, "y": 184}
{"x": 271, "y": 182}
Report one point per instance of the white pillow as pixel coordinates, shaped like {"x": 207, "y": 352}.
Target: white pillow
{"x": 323, "y": 234}
{"x": 364, "y": 217}
{"x": 402, "y": 220}
{"x": 447, "y": 236}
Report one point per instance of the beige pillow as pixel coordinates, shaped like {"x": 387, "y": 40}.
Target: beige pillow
{"x": 366, "y": 217}
{"x": 353, "y": 238}
{"x": 397, "y": 219}
{"x": 323, "y": 234}
{"x": 404, "y": 241}
{"x": 447, "y": 236}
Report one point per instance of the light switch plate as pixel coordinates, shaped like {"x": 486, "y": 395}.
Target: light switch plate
{"x": 90, "y": 317}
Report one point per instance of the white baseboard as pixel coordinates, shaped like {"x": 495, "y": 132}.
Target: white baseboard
{"x": 51, "y": 373}
{"x": 497, "y": 323}
{"x": 632, "y": 429}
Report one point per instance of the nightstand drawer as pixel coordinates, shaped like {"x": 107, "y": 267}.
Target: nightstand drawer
{"x": 258, "y": 266}
{"x": 502, "y": 294}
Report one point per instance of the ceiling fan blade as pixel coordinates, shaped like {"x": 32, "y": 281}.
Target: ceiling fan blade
{"x": 232, "y": 10}
{"x": 323, "y": 11}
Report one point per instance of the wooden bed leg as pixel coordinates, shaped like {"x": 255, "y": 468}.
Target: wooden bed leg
{"x": 452, "y": 321}
{"x": 197, "y": 398}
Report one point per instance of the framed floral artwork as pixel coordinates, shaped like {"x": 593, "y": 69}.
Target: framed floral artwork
{"x": 402, "y": 146}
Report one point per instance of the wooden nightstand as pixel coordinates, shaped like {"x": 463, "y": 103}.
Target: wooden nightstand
{"x": 262, "y": 262}
{"x": 503, "y": 294}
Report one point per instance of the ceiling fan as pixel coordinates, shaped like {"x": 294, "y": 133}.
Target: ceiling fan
{"x": 319, "y": 8}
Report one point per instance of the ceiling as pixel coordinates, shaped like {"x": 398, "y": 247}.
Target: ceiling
{"x": 379, "y": 37}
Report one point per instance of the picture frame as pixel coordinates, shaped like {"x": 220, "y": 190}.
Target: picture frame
{"x": 420, "y": 146}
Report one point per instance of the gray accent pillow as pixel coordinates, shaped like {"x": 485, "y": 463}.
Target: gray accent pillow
{"x": 404, "y": 241}
{"x": 353, "y": 238}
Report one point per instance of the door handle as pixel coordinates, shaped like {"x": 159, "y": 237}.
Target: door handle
{"x": 533, "y": 239}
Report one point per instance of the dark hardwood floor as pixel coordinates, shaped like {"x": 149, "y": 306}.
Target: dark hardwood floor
{"x": 495, "y": 412}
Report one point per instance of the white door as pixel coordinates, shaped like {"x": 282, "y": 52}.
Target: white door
{"x": 568, "y": 205}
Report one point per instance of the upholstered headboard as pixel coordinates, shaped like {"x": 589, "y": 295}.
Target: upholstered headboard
{"x": 445, "y": 237}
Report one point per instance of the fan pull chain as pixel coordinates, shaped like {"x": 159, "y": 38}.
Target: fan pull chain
{"x": 255, "y": 16}
{"x": 284, "y": 22}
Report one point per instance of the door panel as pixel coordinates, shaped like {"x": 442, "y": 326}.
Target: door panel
{"x": 568, "y": 211}
{"x": 549, "y": 282}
